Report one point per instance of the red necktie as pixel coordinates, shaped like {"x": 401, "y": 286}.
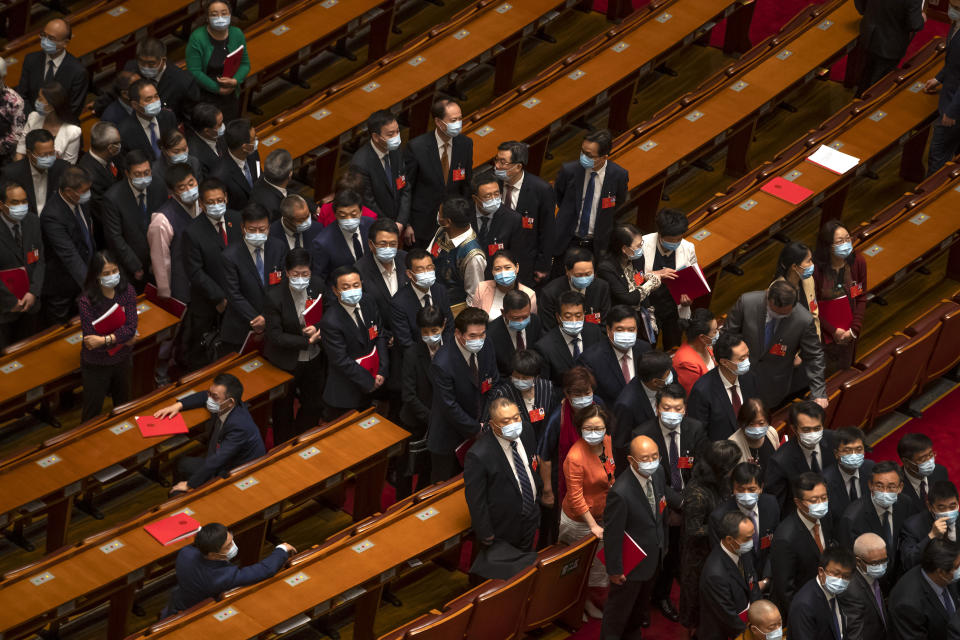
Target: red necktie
{"x": 625, "y": 368}
{"x": 520, "y": 344}
{"x": 735, "y": 399}
{"x": 113, "y": 169}
{"x": 223, "y": 233}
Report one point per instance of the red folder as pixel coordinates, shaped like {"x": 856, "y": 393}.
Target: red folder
{"x": 151, "y": 427}
{"x": 743, "y": 614}
{"x": 314, "y": 312}
{"x": 838, "y": 313}
{"x": 170, "y": 530}
{"x": 689, "y": 281}
{"x": 109, "y": 322}
{"x": 463, "y": 448}
{"x": 786, "y": 190}
{"x": 370, "y": 362}
{"x": 16, "y": 280}
{"x": 252, "y": 343}
{"x": 232, "y": 62}
{"x": 632, "y": 554}
{"x": 170, "y": 305}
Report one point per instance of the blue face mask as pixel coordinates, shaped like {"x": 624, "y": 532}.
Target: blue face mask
{"x": 835, "y": 585}
{"x": 219, "y": 22}
{"x": 624, "y": 340}
{"x": 586, "y": 161}
{"x": 393, "y": 143}
{"x": 648, "y": 468}
{"x": 216, "y": 210}
{"x": 572, "y": 327}
{"x": 141, "y": 182}
{"x": 505, "y": 278}
{"x": 852, "y": 460}
{"x": 884, "y": 499}
{"x": 500, "y": 173}
{"x": 49, "y": 46}
{"x": 255, "y": 239}
{"x": 84, "y": 198}
{"x": 351, "y": 296}
{"x": 951, "y": 516}
{"x": 669, "y": 378}
{"x": 190, "y": 196}
{"x": 956, "y": 575}
{"x": 426, "y": 279}
{"x": 818, "y": 510}
{"x": 953, "y": 13}
{"x": 671, "y": 419}
{"x": 152, "y": 108}
{"x": 148, "y": 72}
{"x": 490, "y": 206}
{"x": 747, "y": 500}
{"x": 41, "y": 108}
{"x": 433, "y": 338}
{"x": 807, "y": 272}
{"x": 518, "y": 325}
{"x": 755, "y": 433}
{"x": 511, "y": 431}
{"x": 743, "y": 367}
{"x": 473, "y": 346}
{"x": 111, "y": 281}
{"x": 745, "y": 547}
{"x": 670, "y": 246}
{"x": 17, "y": 212}
{"x": 222, "y": 129}
{"x": 843, "y": 249}
{"x": 926, "y": 467}
{"x": 877, "y": 570}
{"x": 349, "y": 224}
{"x": 386, "y": 254}
{"x": 776, "y": 634}
{"x": 180, "y": 157}
{"x": 521, "y": 384}
{"x": 454, "y": 128}
{"x": 45, "y": 162}
{"x": 582, "y": 282}
{"x": 299, "y": 283}
{"x": 579, "y": 402}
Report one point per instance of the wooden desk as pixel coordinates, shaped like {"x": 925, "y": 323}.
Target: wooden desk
{"x": 728, "y": 115}
{"x": 407, "y": 79}
{"x": 98, "y": 454}
{"x": 895, "y": 118}
{"x": 334, "y": 572}
{"x": 358, "y": 445}
{"x": 55, "y": 364}
{"x": 607, "y": 69}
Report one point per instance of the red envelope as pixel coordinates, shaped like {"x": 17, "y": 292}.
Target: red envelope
{"x": 787, "y": 191}
{"x": 172, "y": 529}
{"x": 151, "y": 427}
{"x": 459, "y": 174}
{"x": 528, "y": 222}
{"x": 609, "y": 201}
{"x": 632, "y": 554}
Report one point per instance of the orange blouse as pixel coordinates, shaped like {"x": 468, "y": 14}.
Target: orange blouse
{"x": 588, "y": 480}
{"x": 689, "y": 366}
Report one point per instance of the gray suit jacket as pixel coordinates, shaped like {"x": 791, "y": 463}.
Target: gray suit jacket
{"x": 797, "y": 333}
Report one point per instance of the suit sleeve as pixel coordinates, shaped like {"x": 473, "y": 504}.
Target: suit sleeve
{"x": 57, "y": 239}
{"x": 908, "y": 621}
{"x": 398, "y": 322}
{"x": 78, "y": 89}
{"x": 698, "y": 405}
{"x": 453, "y": 413}
{"x": 335, "y": 346}
{"x": 319, "y": 260}
{"x": 476, "y": 490}
{"x": 623, "y": 190}
{"x": 113, "y": 232}
{"x": 273, "y": 317}
{"x": 194, "y": 259}
{"x": 783, "y": 574}
{"x": 775, "y": 482}
{"x": 614, "y": 525}
{"x": 912, "y": 544}
{"x": 716, "y": 596}
{"x": 803, "y": 624}
{"x": 914, "y": 15}
{"x": 812, "y": 350}
{"x": 262, "y": 570}
{"x": 39, "y": 269}
{"x": 233, "y": 441}
{"x": 409, "y": 392}
{"x": 238, "y": 303}
{"x": 734, "y": 323}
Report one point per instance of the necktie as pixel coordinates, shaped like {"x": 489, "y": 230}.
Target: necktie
{"x": 586, "y": 209}
{"x": 887, "y": 528}
{"x": 445, "y": 162}
{"x": 952, "y": 533}
{"x": 215, "y": 435}
{"x": 386, "y": 170}
{"x": 816, "y": 535}
{"x": 576, "y": 346}
{"x": 735, "y": 400}
{"x": 878, "y": 596}
{"x": 833, "y": 618}
{"x": 154, "y": 140}
{"x": 142, "y": 202}
{"x": 768, "y": 331}
{"x": 756, "y": 530}
{"x": 484, "y": 227}
{"x": 357, "y": 246}
{"x": 51, "y": 72}
{"x": 357, "y": 317}
{"x": 651, "y": 499}
{"x": 508, "y": 195}
{"x": 298, "y": 240}
{"x": 947, "y": 602}
{"x": 814, "y": 464}
{"x": 473, "y": 369}
{"x": 246, "y": 173}
{"x": 17, "y": 237}
{"x": 625, "y": 368}
{"x": 675, "y": 480}
{"x": 84, "y": 231}
{"x": 526, "y": 491}
{"x": 223, "y": 233}
{"x": 426, "y": 300}
{"x": 853, "y": 489}
{"x": 520, "y": 343}
{"x": 258, "y": 260}
{"x": 113, "y": 168}
{"x": 923, "y": 490}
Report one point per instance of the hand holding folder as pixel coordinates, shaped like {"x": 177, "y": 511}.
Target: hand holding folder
{"x": 371, "y": 362}
{"x": 314, "y": 312}
{"x": 690, "y": 282}
{"x": 16, "y": 281}
{"x": 150, "y": 426}
{"x": 632, "y": 554}
{"x": 232, "y": 62}
{"x": 109, "y": 322}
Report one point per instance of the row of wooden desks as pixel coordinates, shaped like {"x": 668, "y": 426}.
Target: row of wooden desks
{"x": 113, "y": 563}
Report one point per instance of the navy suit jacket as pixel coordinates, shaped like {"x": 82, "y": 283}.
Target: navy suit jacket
{"x": 939, "y": 473}
{"x": 840, "y": 494}
{"x": 458, "y": 402}
{"x": 724, "y": 593}
{"x": 916, "y": 612}
{"x": 557, "y": 358}
{"x": 949, "y": 75}
{"x": 238, "y": 189}
{"x": 125, "y": 226}
{"x": 428, "y": 185}
{"x": 134, "y": 137}
{"x": 382, "y": 195}
{"x": 861, "y": 517}
{"x": 203, "y": 252}
{"x": 811, "y": 615}
{"x": 499, "y": 335}
{"x": 71, "y": 74}
{"x": 604, "y": 362}
{"x": 710, "y": 404}
{"x": 692, "y": 441}
{"x": 204, "y": 154}
{"x": 375, "y": 287}
{"x": 789, "y": 462}
{"x": 503, "y": 232}
{"x": 15, "y": 257}
{"x": 236, "y": 443}
{"x": 306, "y": 239}
{"x": 769, "y": 516}
{"x": 793, "y": 558}
{"x": 284, "y": 335}
{"x": 404, "y": 307}
{"x": 199, "y": 578}
{"x": 596, "y": 300}
{"x": 914, "y": 538}
{"x": 19, "y": 172}
{"x": 246, "y": 292}
{"x": 329, "y": 248}
{"x": 67, "y": 254}
{"x": 344, "y": 342}
{"x": 568, "y": 187}
{"x": 536, "y": 205}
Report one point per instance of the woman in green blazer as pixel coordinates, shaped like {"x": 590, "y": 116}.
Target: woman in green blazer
{"x": 207, "y": 49}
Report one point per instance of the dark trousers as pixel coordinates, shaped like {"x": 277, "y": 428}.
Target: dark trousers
{"x": 549, "y": 525}
{"x": 874, "y": 69}
{"x": 24, "y": 326}
{"x": 57, "y": 309}
{"x": 668, "y": 568}
{"x": 625, "y": 609}
{"x": 99, "y": 380}
{"x": 201, "y": 326}
{"x": 443, "y": 466}
{"x": 186, "y": 467}
{"x": 668, "y": 319}
{"x": 944, "y": 144}
{"x": 307, "y": 387}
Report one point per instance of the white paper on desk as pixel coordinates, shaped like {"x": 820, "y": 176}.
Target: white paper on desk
{"x": 833, "y": 160}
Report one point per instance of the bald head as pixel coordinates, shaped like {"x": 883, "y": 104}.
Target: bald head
{"x": 763, "y": 617}
{"x": 870, "y": 548}
{"x": 58, "y": 28}
{"x": 643, "y": 446}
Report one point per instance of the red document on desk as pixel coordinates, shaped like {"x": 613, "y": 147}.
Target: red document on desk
{"x": 170, "y": 530}
{"x": 370, "y": 362}
{"x": 313, "y": 313}
{"x": 689, "y": 281}
{"x": 232, "y": 62}
{"x": 16, "y": 280}
{"x": 838, "y": 313}
{"x": 632, "y": 554}
{"x": 151, "y": 427}
{"x": 171, "y": 305}
{"x": 109, "y": 322}
{"x": 786, "y": 190}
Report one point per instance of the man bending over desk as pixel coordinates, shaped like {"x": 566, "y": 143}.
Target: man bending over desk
{"x": 234, "y": 438}
{"x": 205, "y": 568}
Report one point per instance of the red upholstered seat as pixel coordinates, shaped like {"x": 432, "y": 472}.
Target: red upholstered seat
{"x": 858, "y": 393}
{"x": 910, "y": 357}
{"x": 560, "y": 584}
{"x": 946, "y": 350}
{"x": 498, "y": 606}
{"x": 449, "y": 625}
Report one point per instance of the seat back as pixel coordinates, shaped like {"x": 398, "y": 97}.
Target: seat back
{"x": 910, "y": 356}
{"x": 859, "y": 389}
{"x": 449, "y": 625}
{"x": 560, "y": 584}
{"x": 498, "y": 609}
{"x": 946, "y": 351}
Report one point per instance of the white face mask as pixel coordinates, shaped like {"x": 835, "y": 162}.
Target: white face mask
{"x": 810, "y": 440}
{"x": 511, "y": 431}
{"x": 232, "y": 551}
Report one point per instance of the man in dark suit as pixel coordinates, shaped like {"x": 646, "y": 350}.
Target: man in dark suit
{"x": 204, "y": 568}
{"x": 562, "y": 345}
{"x": 40, "y": 172}
{"x": 251, "y": 268}
{"x": 514, "y": 330}
{"x": 635, "y": 506}
{"x": 205, "y": 136}
{"x": 761, "y": 508}
{"x": 817, "y": 611}
{"x": 680, "y": 441}
{"x": 239, "y": 167}
{"x": 864, "y": 598}
{"x": 502, "y": 486}
{"x": 421, "y": 290}
{"x": 21, "y": 247}
{"x": 69, "y": 243}
{"x": 497, "y": 226}
{"x": 589, "y": 194}
{"x": 383, "y": 167}
{"x": 119, "y": 108}
{"x": 938, "y": 520}
{"x": 439, "y": 165}
{"x": 729, "y": 581}
{"x": 811, "y": 449}
{"x": 763, "y": 621}
{"x": 777, "y": 329}
{"x": 127, "y": 208}
{"x": 716, "y": 398}
{"x": 205, "y": 238}
{"x": 945, "y": 140}
{"x": 149, "y": 122}
{"x": 233, "y": 437}
{"x": 461, "y": 262}
{"x": 882, "y": 512}
{"x": 800, "y": 539}
{"x": 463, "y": 371}
{"x": 102, "y": 162}
{"x": 53, "y": 62}
{"x": 271, "y": 188}
{"x": 849, "y": 480}
{"x": 925, "y": 598}
{"x": 580, "y": 267}
{"x": 886, "y": 30}
{"x": 293, "y": 345}
{"x": 615, "y": 364}
{"x": 341, "y": 244}
{"x": 920, "y": 468}
{"x": 296, "y": 226}
{"x": 352, "y": 330}
{"x": 533, "y": 198}
{"x": 177, "y": 87}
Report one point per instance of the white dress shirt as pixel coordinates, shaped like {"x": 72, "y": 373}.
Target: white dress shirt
{"x": 846, "y": 480}
{"x": 809, "y": 524}
{"x": 808, "y": 452}
{"x": 348, "y": 237}
{"x": 515, "y": 191}
{"x": 39, "y": 186}
{"x": 508, "y": 452}
{"x": 389, "y": 277}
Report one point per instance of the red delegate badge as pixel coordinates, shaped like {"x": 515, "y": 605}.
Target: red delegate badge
{"x": 813, "y": 306}
{"x": 593, "y": 318}
{"x": 485, "y": 386}
{"x": 528, "y": 222}
{"x": 493, "y": 248}
{"x": 33, "y": 256}
{"x": 685, "y": 462}
{"x": 435, "y": 249}
{"x": 663, "y": 503}
{"x": 856, "y": 290}
{"x": 609, "y": 201}
{"x": 537, "y": 414}
{"x": 372, "y": 332}
{"x": 638, "y": 279}
{"x": 778, "y": 349}
{"x": 275, "y": 277}
{"x": 401, "y": 182}
{"x": 765, "y": 541}
{"x": 459, "y": 174}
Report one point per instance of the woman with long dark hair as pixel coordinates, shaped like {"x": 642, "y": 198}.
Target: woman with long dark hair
{"x": 758, "y": 441}
{"x": 108, "y": 318}
{"x": 796, "y": 267}
{"x": 51, "y": 111}
{"x": 840, "y": 273}
{"x": 621, "y": 267}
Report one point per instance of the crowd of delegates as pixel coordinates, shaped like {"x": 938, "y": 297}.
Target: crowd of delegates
{"x": 552, "y": 386}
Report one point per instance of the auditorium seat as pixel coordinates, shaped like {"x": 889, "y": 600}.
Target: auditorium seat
{"x": 447, "y": 625}
{"x": 945, "y": 354}
{"x": 910, "y": 356}
{"x": 559, "y": 586}
{"x": 858, "y": 389}
{"x": 498, "y": 606}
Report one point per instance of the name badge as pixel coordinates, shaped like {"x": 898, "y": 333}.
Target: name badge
{"x": 33, "y": 256}
{"x": 435, "y": 250}
{"x": 372, "y": 332}
{"x": 493, "y": 248}
{"x": 766, "y": 541}
{"x": 485, "y": 385}
{"x": 275, "y": 277}
{"x": 663, "y": 504}
{"x": 779, "y": 349}
{"x": 528, "y": 222}
{"x": 593, "y": 318}
{"x": 537, "y": 414}
{"x": 609, "y": 201}
{"x": 856, "y": 290}
{"x": 685, "y": 462}
{"x": 638, "y": 279}
{"x": 459, "y": 174}
{"x": 401, "y": 182}
{"x": 813, "y": 306}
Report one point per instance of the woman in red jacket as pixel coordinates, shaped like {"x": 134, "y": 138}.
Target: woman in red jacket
{"x": 695, "y": 357}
